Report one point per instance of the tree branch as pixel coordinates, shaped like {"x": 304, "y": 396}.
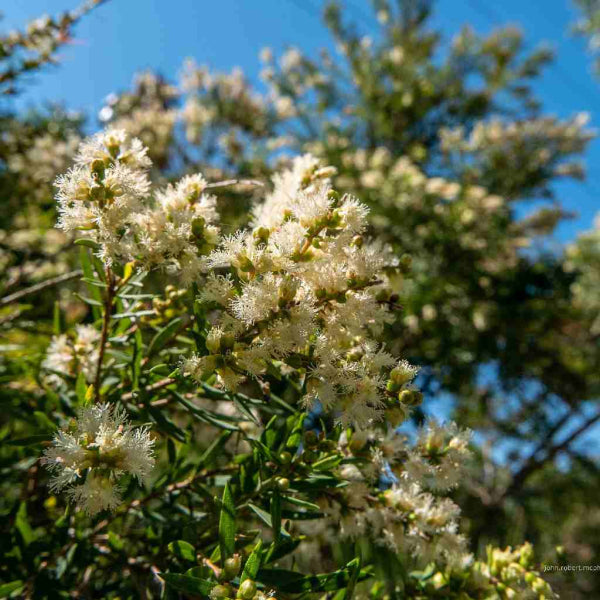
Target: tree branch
{"x": 38, "y": 287}
{"x": 533, "y": 464}
{"x": 231, "y": 182}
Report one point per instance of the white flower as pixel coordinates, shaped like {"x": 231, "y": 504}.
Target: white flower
{"x": 95, "y": 494}
{"x": 102, "y": 446}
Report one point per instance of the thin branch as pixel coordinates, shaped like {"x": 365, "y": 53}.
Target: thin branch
{"x": 38, "y": 287}
{"x": 151, "y": 388}
{"x": 108, "y": 304}
{"x": 231, "y": 182}
{"x": 533, "y": 464}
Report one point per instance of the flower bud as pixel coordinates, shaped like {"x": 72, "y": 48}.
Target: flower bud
{"x": 285, "y": 457}
{"x": 245, "y": 264}
{"x": 402, "y": 373}
{"x": 410, "y": 397}
{"x": 358, "y": 241}
{"x": 282, "y": 483}
{"x": 98, "y": 167}
{"x": 232, "y": 566}
{"x": 334, "y": 197}
{"x": 213, "y": 341}
{"x": 219, "y": 591}
{"x": 261, "y": 235}
{"x": 198, "y": 225}
{"x": 97, "y": 192}
{"x": 247, "y": 590}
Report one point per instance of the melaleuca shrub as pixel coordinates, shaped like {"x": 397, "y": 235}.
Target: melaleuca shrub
{"x": 229, "y": 412}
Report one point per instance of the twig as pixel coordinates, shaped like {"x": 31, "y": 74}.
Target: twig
{"x": 150, "y": 388}
{"x": 108, "y": 302}
{"x": 231, "y": 182}
{"x": 85, "y": 8}
{"x": 533, "y": 464}
{"x": 38, "y": 287}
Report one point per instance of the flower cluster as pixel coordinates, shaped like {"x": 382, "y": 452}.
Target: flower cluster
{"x": 107, "y": 194}
{"x": 410, "y": 515}
{"x": 66, "y": 357}
{"x": 305, "y": 287}
{"x": 98, "y": 448}
{"x": 413, "y": 517}
{"x": 105, "y": 187}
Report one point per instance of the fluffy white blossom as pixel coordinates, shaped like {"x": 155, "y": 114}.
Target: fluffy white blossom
{"x": 108, "y": 195}
{"x": 104, "y": 188}
{"x": 89, "y": 458}
{"x": 304, "y": 287}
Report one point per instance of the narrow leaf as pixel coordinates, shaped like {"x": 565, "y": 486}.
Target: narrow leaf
{"x": 183, "y": 550}
{"x": 187, "y": 584}
{"x": 276, "y": 515}
{"x": 253, "y": 563}
{"x": 164, "y": 335}
{"x": 227, "y": 525}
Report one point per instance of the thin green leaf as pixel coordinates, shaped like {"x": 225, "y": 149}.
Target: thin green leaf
{"x": 295, "y": 583}
{"x": 264, "y": 516}
{"x": 183, "y": 550}
{"x": 327, "y": 463}
{"x": 7, "y": 588}
{"x": 253, "y": 563}
{"x": 302, "y": 503}
{"x": 134, "y": 314}
{"x": 81, "y": 388}
{"x": 276, "y": 515}
{"x": 87, "y": 243}
{"x": 187, "y": 584}
{"x": 164, "y": 335}
{"x": 89, "y": 301}
{"x": 227, "y": 524}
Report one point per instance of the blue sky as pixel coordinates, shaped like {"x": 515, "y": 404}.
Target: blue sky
{"x": 125, "y": 36}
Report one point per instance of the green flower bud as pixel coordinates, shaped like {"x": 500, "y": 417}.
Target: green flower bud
{"x": 283, "y": 483}
{"x": 247, "y": 590}
{"x": 232, "y": 566}
{"x": 392, "y": 387}
{"x": 358, "y": 241}
{"x": 334, "y": 197}
{"x": 198, "y": 225}
{"x": 219, "y": 591}
{"x": 98, "y": 167}
{"x": 97, "y": 192}
{"x": 285, "y": 457}
{"x": 261, "y": 235}
{"x": 245, "y": 264}
{"x": 410, "y": 397}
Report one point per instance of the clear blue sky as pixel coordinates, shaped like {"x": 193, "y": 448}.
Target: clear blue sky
{"x": 125, "y": 36}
